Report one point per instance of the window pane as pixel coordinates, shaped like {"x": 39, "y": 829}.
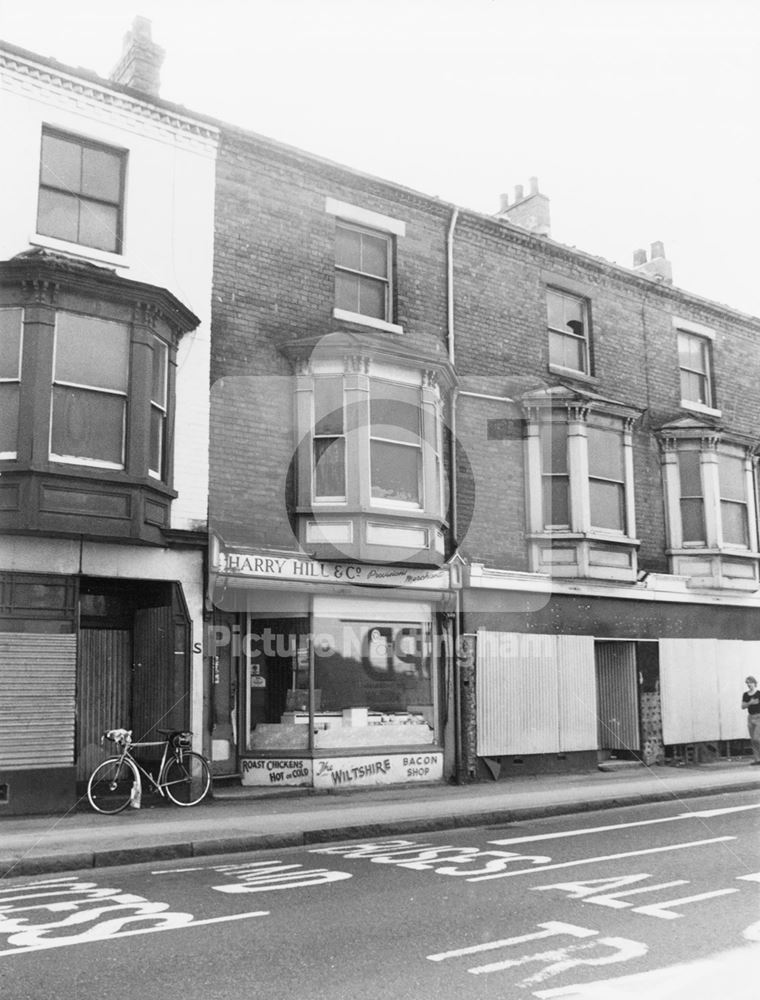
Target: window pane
{"x": 555, "y": 310}
{"x": 385, "y": 667}
{"x": 605, "y": 454}
{"x": 158, "y": 391}
{"x": 8, "y": 416}
{"x": 329, "y": 467}
{"x": 692, "y": 521}
{"x": 694, "y": 388}
{"x": 372, "y": 298}
{"x": 691, "y": 479}
{"x": 87, "y": 425}
{"x": 61, "y": 163}
{"x": 157, "y": 425}
{"x": 347, "y": 291}
{"x": 395, "y": 412}
{"x": 556, "y": 501}
{"x": 731, "y": 477}
{"x": 395, "y": 472}
{"x": 348, "y": 248}
{"x": 98, "y": 226}
{"x": 328, "y": 405}
{"x": 734, "y": 520}
{"x": 554, "y": 448}
{"x": 375, "y": 255}
{"x": 101, "y": 174}
{"x": 10, "y": 342}
{"x": 692, "y": 352}
{"x": 91, "y": 351}
{"x": 568, "y": 352}
{"x": 607, "y": 505}
{"x": 58, "y": 215}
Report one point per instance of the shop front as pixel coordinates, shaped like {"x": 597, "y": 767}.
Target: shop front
{"x": 334, "y": 674}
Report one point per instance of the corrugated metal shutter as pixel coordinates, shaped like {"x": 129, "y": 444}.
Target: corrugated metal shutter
{"x": 38, "y": 681}
{"x": 535, "y": 693}
{"x": 736, "y": 659}
{"x": 702, "y": 681}
{"x": 618, "y": 696}
{"x": 689, "y": 689}
{"x": 104, "y": 692}
{"x": 576, "y": 682}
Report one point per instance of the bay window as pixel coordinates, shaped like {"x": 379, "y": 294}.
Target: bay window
{"x": 369, "y": 479}
{"x": 579, "y": 461}
{"x": 87, "y": 387}
{"x": 710, "y": 496}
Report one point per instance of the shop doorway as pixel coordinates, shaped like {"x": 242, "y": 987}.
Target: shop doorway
{"x": 133, "y": 668}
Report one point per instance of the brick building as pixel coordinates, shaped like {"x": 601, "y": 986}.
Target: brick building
{"x": 361, "y": 486}
{"x": 105, "y": 290}
{"x": 552, "y": 456}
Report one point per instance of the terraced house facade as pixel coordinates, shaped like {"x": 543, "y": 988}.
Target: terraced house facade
{"x": 361, "y": 486}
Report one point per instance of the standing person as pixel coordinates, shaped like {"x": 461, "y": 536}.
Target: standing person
{"x": 751, "y": 702}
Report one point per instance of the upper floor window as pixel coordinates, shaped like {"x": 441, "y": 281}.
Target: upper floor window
{"x": 692, "y": 502}
{"x": 159, "y": 408}
{"x": 90, "y": 382}
{"x": 568, "y": 331}
{"x": 695, "y": 363}
{"x": 606, "y": 478}
{"x": 81, "y": 191}
{"x": 395, "y": 444}
{"x": 10, "y": 379}
{"x": 593, "y": 473}
{"x": 363, "y": 271}
{"x": 329, "y": 439}
{"x": 734, "y": 499}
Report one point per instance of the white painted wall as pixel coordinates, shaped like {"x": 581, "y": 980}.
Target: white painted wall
{"x": 168, "y": 230}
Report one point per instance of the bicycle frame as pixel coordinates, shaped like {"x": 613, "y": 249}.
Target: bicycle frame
{"x": 126, "y": 753}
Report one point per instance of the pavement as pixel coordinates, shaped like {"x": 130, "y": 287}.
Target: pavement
{"x": 238, "y": 819}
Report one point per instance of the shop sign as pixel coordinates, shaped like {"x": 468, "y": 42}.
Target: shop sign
{"x": 290, "y": 771}
{"x": 301, "y": 569}
{"x": 377, "y": 769}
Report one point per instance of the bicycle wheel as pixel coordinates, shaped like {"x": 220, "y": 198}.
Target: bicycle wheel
{"x": 186, "y": 779}
{"x": 110, "y": 786}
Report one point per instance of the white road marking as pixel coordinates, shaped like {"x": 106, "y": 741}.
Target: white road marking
{"x": 179, "y": 871}
{"x": 52, "y": 943}
{"x": 562, "y": 959}
{"x": 706, "y": 814}
{"x": 551, "y": 928}
{"x": 605, "y": 857}
{"x": 755, "y": 877}
{"x": 661, "y": 909}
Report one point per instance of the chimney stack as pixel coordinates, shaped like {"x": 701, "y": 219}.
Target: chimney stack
{"x": 657, "y": 267}
{"x": 529, "y": 211}
{"x": 141, "y": 60}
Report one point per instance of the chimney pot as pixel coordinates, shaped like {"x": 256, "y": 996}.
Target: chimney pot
{"x": 518, "y": 192}
{"x": 503, "y": 202}
{"x": 657, "y": 249}
{"x": 534, "y": 185}
{"x": 639, "y": 257}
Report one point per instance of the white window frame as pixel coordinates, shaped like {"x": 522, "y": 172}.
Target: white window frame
{"x": 163, "y": 410}
{"x": 15, "y": 379}
{"x": 585, "y": 340}
{"x": 707, "y": 335}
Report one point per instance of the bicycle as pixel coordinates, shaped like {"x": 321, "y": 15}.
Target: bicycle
{"x": 183, "y": 776}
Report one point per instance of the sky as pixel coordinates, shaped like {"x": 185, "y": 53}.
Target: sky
{"x": 638, "y": 117}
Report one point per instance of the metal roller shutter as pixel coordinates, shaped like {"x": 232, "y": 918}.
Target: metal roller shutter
{"x": 38, "y": 683}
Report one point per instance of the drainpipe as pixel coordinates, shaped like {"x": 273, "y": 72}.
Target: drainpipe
{"x": 455, "y": 624}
